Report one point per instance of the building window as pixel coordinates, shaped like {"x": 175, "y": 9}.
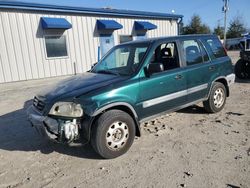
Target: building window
{"x": 125, "y": 38}
{"x": 56, "y": 46}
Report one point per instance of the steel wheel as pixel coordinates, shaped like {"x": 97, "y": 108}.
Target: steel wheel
{"x": 219, "y": 97}
{"x": 113, "y": 133}
{"x": 117, "y": 135}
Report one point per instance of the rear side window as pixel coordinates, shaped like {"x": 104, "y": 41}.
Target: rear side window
{"x": 192, "y": 52}
{"x": 215, "y": 47}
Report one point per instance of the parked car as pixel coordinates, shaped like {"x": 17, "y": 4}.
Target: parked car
{"x": 132, "y": 83}
{"x": 242, "y": 66}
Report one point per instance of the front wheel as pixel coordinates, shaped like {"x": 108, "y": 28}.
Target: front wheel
{"x": 217, "y": 98}
{"x": 113, "y": 134}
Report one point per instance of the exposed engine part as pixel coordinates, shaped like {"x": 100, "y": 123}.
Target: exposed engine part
{"x": 69, "y": 131}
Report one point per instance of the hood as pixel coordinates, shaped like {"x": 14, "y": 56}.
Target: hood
{"x": 78, "y": 85}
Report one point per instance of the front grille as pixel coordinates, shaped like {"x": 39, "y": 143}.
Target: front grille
{"x": 38, "y": 104}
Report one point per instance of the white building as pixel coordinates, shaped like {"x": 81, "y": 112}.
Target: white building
{"x": 40, "y": 41}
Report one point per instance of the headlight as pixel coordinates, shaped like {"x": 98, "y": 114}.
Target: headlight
{"x": 67, "y": 109}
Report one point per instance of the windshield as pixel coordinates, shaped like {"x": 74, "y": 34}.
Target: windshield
{"x": 122, "y": 60}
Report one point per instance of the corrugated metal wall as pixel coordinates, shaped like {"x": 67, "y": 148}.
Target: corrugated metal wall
{"x": 22, "y": 45}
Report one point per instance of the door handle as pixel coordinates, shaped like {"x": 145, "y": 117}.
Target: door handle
{"x": 211, "y": 68}
{"x": 178, "y": 77}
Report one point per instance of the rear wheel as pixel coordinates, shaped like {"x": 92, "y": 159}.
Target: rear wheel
{"x": 217, "y": 98}
{"x": 241, "y": 69}
{"x": 113, "y": 134}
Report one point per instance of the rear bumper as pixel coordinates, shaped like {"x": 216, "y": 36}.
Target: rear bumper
{"x": 45, "y": 126}
{"x": 230, "y": 79}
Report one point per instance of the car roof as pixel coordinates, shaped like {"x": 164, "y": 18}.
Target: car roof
{"x": 159, "y": 39}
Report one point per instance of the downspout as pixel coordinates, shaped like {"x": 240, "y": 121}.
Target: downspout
{"x": 179, "y": 22}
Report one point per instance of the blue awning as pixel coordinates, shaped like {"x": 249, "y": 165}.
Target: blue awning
{"x": 108, "y": 25}
{"x": 143, "y": 25}
{"x": 55, "y": 23}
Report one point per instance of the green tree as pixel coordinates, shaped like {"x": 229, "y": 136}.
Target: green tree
{"x": 219, "y": 31}
{"x": 196, "y": 26}
{"x": 236, "y": 27}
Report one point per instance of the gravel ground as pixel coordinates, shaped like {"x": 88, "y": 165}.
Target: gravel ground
{"x": 188, "y": 148}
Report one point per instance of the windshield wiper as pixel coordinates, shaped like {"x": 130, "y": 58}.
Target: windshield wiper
{"x": 107, "y": 72}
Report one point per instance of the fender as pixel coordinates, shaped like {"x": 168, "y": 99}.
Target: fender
{"x": 116, "y": 104}
{"x": 229, "y": 79}
{"x": 88, "y": 123}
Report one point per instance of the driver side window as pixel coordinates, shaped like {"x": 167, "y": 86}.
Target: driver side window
{"x": 167, "y": 55}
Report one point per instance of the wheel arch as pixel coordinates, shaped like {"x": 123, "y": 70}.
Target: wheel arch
{"x": 123, "y": 106}
{"x": 222, "y": 80}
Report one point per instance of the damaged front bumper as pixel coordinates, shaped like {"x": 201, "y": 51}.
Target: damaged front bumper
{"x": 64, "y": 131}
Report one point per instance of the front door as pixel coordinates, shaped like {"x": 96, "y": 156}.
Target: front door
{"x": 165, "y": 90}
{"x": 162, "y": 92}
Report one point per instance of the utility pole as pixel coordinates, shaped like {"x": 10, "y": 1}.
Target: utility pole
{"x": 225, "y": 8}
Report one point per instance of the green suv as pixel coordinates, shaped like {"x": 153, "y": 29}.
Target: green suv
{"x": 132, "y": 83}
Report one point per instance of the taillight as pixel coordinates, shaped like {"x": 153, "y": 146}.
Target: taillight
{"x": 225, "y": 50}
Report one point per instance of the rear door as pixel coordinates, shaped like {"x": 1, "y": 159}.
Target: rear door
{"x": 220, "y": 62}
{"x": 198, "y": 68}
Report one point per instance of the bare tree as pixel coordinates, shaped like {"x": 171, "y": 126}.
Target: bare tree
{"x": 236, "y": 27}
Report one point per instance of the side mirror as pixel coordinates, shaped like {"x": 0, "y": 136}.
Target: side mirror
{"x": 155, "y": 68}
{"x": 92, "y": 66}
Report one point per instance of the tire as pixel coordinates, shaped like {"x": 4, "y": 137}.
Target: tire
{"x": 113, "y": 134}
{"x": 240, "y": 69}
{"x": 217, "y": 98}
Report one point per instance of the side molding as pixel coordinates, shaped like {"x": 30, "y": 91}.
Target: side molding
{"x": 172, "y": 96}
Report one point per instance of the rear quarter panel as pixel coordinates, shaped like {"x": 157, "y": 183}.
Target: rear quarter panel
{"x": 223, "y": 65}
